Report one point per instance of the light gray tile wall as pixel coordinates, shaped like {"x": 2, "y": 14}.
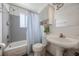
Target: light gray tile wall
{"x": 13, "y": 30}
{"x": 16, "y": 32}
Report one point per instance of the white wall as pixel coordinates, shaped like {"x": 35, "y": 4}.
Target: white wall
{"x": 44, "y": 14}
{"x": 3, "y": 21}
{"x": 36, "y": 7}
{"x": 68, "y": 19}
{"x": 5, "y": 28}
{"x": 0, "y": 22}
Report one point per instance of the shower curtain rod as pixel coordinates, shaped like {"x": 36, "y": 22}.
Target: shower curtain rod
{"x": 23, "y": 8}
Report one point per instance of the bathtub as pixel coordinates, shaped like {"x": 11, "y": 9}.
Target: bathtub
{"x": 18, "y": 48}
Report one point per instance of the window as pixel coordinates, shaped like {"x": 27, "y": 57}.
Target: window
{"x": 61, "y": 23}
{"x": 23, "y": 20}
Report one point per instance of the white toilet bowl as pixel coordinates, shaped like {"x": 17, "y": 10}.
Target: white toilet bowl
{"x": 37, "y": 49}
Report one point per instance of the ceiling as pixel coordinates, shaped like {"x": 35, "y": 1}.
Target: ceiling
{"x": 36, "y": 7}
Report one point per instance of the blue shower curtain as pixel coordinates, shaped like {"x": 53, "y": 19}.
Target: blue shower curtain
{"x": 33, "y": 30}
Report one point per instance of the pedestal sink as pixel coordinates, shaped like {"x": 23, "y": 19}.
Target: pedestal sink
{"x": 62, "y": 43}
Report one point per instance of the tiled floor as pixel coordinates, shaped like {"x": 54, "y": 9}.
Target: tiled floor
{"x": 47, "y": 54}
{"x": 66, "y": 53}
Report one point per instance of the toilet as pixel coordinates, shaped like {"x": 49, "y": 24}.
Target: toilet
{"x": 38, "y": 49}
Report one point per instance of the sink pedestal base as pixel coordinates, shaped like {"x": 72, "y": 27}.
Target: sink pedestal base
{"x": 59, "y": 51}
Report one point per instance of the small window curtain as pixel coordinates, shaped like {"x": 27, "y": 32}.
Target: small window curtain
{"x": 33, "y": 30}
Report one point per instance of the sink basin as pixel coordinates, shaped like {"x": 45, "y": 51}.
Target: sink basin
{"x": 60, "y": 44}
{"x": 63, "y": 42}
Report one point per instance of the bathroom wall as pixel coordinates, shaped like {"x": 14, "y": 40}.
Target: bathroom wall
{"x": 5, "y": 21}
{"x": 5, "y": 33}
{"x": 0, "y": 22}
{"x": 67, "y": 19}
{"x": 17, "y": 33}
{"x": 44, "y": 14}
